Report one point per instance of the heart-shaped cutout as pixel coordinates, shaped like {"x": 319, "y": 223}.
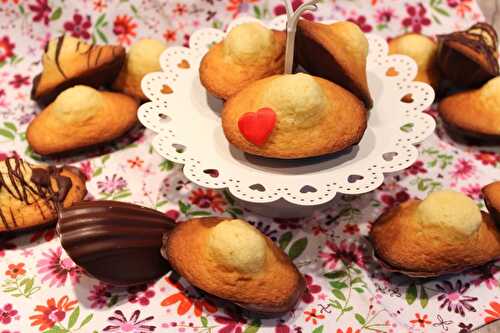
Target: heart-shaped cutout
{"x": 392, "y": 72}
{"x": 408, "y": 98}
{"x": 389, "y": 156}
{"x": 308, "y": 189}
{"x": 184, "y": 64}
{"x": 166, "y": 89}
{"x": 257, "y": 187}
{"x": 211, "y": 172}
{"x": 354, "y": 178}
{"x": 256, "y": 127}
{"x": 179, "y": 148}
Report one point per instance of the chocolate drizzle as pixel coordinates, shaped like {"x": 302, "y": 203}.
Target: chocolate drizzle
{"x": 59, "y": 45}
{"x": 38, "y": 187}
{"x": 469, "y": 58}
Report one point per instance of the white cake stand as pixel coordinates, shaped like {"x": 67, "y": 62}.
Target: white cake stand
{"x": 188, "y": 126}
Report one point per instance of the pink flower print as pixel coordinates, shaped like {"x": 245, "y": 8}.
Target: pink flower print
{"x": 100, "y": 295}
{"x": 120, "y": 324}
{"x": 42, "y": 11}
{"x": 140, "y": 294}
{"x": 385, "y": 15}
{"x": 281, "y": 10}
{"x": 461, "y": 6}
{"x": 486, "y": 276}
{"x": 173, "y": 214}
{"x": 347, "y": 253}
{"x": 86, "y": 169}
{"x": 79, "y": 26}
{"x": 19, "y": 80}
{"x": 416, "y": 18}
{"x": 473, "y": 191}
{"x": 361, "y": 22}
{"x": 463, "y": 169}
{"x": 416, "y": 168}
{"x": 110, "y": 185}
{"x": 453, "y": 298}
{"x": 231, "y": 324}
{"x": 7, "y": 313}
{"x": 282, "y": 328}
{"x": 308, "y": 296}
{"x": 6, "y": 51}
{"x": 56, "y": 269}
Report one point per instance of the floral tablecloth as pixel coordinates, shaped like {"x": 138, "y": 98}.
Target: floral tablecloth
{"x": 41, "y": 289}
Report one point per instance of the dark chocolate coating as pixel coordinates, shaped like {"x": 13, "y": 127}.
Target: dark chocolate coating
{"x": 494, "y": 212}
{"x": 461, "y": 67}
{"x": 115, "y": 242}
{"x": 469, "y": 137}
{"x": 96, "y": 76}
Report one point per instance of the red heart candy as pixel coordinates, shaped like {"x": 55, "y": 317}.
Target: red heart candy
{"x": 256, "y": 127}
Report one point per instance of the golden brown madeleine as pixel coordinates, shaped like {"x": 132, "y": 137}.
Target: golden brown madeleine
{"x": 491, "y": 195}
{"x": 68, "y": 61}
{"x": 29, "y": 194}
{"x": 442, "y": 234}
{"x": 234, "y": 261}
{"x": 81, "y": 117}
{"x": 474, "y": 114}
{"x": 142, "y": 58}
{"x": 423, "y": 50}
{"x": 249, "y": 53}
{"x": 336, "y": 52}
{"x": 469, "y": 58}
{"x": 313, "y": 117}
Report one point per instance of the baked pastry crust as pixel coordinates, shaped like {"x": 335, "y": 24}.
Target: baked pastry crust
{"x": 491, "y": 193}
{"x": 68, "y": 62}
{"x": 336, "y": 52}
{"x": 473, "y": 114}
{"x": 423, "y": 50}
{"x": 52, "y": 133}
{"x": 401, "y": 242}
{"x": 25, "y": 203}
{"x": 274, "y": 290}
{"x": 223, "y": 77}
{"x": 142, "y": 58}
{"x": 343, "y": 125}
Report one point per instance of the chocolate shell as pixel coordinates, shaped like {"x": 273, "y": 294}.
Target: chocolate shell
{"x": 469, "y": 58}
{"x": 491, "y": 195}
{"x": 115, "y": 242}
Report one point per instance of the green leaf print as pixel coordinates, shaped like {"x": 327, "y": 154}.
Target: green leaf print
{"x": 86, "y": 320}
{"x": 297, "y": 248}
{"x": 7, "y": 134}
{"x": 411, "y": 294}
{"x": 73, "y": 318}
{"x": 424, "y": 299}
{"x": 361, "y": 320}
{"x": 335, "y": 275}
{"x": 338, "y": 285}
{"x": 285, "y": 239}
{"x": 56, "y": 15}
{"x": 256, "y": 11}
{"x": 337, "y": 293}
{"x": 10, "y": 126}
{"x": 253, "y": 327}
{"x": 204, "y": 321}
{"x": 318, "y": 329}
